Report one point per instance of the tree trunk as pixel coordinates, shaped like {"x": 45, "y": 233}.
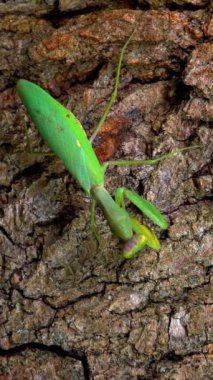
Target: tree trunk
{"x": 68, "y": 308}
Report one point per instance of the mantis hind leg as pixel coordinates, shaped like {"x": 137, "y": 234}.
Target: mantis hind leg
{"x": 114, "y": 93}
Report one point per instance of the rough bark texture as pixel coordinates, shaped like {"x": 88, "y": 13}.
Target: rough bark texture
{"x": 68, "y": 309}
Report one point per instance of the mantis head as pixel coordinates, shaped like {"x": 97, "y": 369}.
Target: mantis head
{"x": 143, "y": 236}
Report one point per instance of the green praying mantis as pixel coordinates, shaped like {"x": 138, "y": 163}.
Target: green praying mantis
{"x": 64, "y": 135}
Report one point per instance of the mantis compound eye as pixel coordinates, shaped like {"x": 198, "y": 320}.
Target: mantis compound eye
{"x": 133, "y": 246}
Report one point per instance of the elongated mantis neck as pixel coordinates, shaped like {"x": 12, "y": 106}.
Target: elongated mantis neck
{"x": 117, "y": 217}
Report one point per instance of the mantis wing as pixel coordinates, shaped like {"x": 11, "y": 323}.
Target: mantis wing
{"x": 63, "y": 133}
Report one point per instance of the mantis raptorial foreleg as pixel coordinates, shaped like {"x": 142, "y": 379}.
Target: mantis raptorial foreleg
{"x": 143, "y": 236}
{"x": 142, "y": 204}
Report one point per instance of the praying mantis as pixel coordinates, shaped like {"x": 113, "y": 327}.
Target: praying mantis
{"x": 64, "y": 135}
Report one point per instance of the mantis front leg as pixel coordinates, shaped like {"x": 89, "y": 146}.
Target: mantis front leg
{"x": 142, "y": 204}
{"x": 143, "y": 236}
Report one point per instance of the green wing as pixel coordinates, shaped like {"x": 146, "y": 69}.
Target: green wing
{"x": 63, "y": 133}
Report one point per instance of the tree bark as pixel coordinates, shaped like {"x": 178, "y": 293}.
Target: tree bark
{"x": 68, "y": 308}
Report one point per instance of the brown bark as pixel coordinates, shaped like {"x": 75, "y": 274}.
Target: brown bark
{"x": 68, "y": 309}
